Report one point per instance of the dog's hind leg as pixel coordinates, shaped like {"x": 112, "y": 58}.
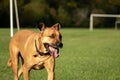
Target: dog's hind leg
{"x": 14, "y": 60}
{"x": 20, "y": 72}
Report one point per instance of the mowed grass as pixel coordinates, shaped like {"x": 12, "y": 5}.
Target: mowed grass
{"x": 85, "y": 56}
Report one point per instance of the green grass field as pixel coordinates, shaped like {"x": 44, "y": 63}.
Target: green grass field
{"x": 85, "y": 56}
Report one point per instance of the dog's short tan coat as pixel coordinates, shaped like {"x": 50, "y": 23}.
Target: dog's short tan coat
{"x": 25, "y": 44}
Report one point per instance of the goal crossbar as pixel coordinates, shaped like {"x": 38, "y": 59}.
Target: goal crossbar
{"x": 100, "y": 15}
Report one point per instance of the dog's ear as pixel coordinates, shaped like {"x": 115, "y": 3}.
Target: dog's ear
{"x": 56, "y": 26}
{"x": 41, "y": 26}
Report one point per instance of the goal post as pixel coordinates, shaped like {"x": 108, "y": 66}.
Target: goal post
{"x": 116, "y": 24}
{"x": 11, "y": 16}
{"x": 101, "y": 15}
{"x": 17, "y": 16}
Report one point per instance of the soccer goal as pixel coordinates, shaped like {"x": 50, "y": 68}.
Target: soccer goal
{"x": 103, "y": 15}
{"x": 11, "y": 16}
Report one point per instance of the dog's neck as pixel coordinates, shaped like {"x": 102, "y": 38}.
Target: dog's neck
{"x": 39, "y": 52}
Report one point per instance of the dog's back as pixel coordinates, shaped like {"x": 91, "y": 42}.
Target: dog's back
{"x": 19, "y": 41}
{"x": 21, "y": 36}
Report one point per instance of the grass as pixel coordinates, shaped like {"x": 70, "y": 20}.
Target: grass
{"x": 85, "y": 56}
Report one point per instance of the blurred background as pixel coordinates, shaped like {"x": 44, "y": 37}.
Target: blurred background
{"x": 87, "y": 55}
{"x": 69, "y": 13}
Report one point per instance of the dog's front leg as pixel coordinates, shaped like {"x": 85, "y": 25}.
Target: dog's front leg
{"x": 49, "y": 65}
{"x": 25, "y": 72}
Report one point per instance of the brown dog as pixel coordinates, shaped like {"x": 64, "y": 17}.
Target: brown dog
{"x": 37, "y": 50}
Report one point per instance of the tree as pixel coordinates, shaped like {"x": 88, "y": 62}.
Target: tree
{"x": 68, "y": 12}
{"x": 4, "y": 13}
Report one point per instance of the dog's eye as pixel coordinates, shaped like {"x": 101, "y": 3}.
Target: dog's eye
{"x": 60, "y": 37}
{"x": 52, "y": 36}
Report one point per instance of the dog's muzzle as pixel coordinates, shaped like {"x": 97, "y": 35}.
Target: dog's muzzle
{"x": 53, "y": 49}
{"x": 59, "y": 44}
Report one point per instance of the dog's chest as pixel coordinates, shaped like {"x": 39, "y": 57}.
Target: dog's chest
{"x": 38, "y": 66}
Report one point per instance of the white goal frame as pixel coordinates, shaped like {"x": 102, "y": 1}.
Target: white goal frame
{"x": 102, "y": 15}
{"x": 11, "y": 16}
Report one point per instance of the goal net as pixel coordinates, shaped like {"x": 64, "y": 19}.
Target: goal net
{"x": 103, "y": 15}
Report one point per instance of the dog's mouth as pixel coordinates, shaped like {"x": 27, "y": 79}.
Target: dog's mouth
{"x": 52, "y": 49}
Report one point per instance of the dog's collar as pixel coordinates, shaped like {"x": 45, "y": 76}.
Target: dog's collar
{"x": 41, "y": 53}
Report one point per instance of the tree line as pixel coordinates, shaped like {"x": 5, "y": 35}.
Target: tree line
{"x": 69, "y": 13}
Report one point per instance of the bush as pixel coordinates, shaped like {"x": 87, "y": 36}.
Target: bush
{"x": 63, "y": 17}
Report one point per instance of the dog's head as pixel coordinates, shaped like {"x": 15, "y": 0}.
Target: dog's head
{"x": 51, "y": 39}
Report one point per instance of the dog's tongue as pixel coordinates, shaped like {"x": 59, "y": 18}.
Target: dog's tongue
{"x": 53, "y": 51}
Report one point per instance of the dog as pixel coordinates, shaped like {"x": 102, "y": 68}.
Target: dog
{"x": 37, "y": 50}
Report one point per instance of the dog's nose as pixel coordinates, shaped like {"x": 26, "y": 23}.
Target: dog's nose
{"x": 60, "y": 44}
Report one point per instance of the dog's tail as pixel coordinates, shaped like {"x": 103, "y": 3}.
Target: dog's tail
{"x": 9, "y": 62}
